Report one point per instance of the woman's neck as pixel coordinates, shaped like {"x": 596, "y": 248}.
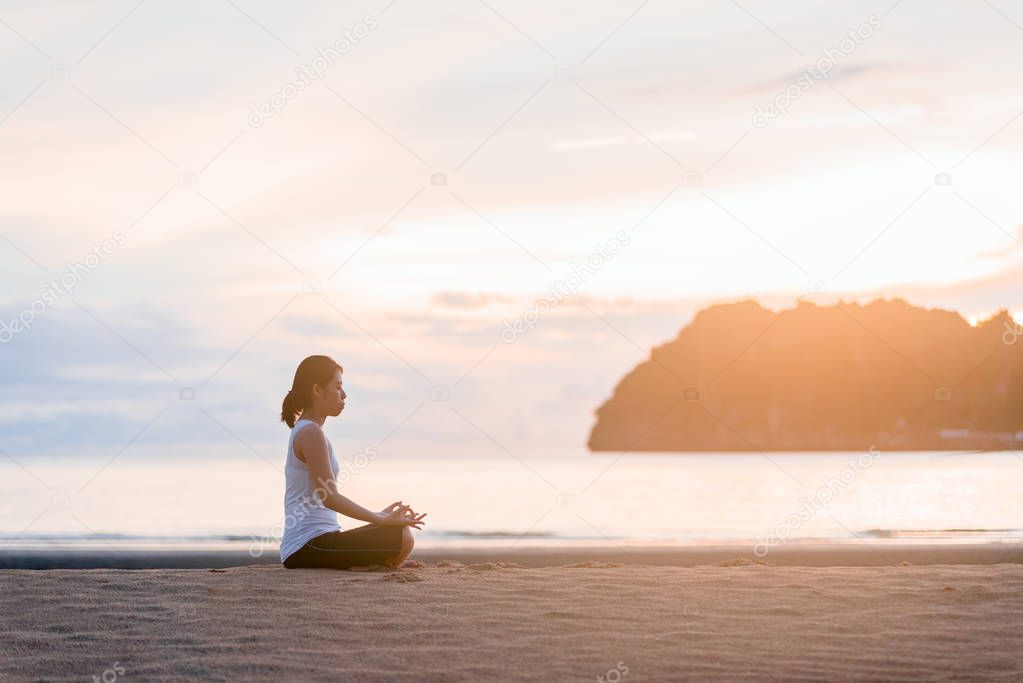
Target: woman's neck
{"x": 311, "y": 414}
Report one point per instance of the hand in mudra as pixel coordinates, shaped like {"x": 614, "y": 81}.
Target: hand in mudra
{"x": 398, "y": 514}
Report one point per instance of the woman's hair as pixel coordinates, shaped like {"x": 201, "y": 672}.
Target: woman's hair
{"x": 311, "y": 371}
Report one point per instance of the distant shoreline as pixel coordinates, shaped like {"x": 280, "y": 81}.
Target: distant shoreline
{"x": 817, "y": 451}
{"x": 851, "y": 554}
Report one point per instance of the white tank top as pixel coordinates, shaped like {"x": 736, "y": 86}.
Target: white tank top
{"x": 305, "y": 517}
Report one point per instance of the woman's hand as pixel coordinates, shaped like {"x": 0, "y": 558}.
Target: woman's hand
{"x": 398, "y": 514}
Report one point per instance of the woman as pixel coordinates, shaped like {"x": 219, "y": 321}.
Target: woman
{"x": 312, "y": 537}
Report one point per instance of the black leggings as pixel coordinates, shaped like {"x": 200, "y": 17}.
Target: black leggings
{"x": 359, "y": 547}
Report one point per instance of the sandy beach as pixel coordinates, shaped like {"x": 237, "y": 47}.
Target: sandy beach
{"x": 485, "y": 621}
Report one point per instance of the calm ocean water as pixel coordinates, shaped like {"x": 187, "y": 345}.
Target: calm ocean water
{"x": 504, "y": 501}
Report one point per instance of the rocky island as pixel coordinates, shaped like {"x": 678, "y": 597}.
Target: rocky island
{"x": 886, "y": 375}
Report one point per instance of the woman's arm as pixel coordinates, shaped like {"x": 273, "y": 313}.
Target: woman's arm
{"x": 311, "y": 447}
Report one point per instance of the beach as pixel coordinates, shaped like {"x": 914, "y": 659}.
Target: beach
{"x": 451, "y": 620}
{"x": 646, "y": 341}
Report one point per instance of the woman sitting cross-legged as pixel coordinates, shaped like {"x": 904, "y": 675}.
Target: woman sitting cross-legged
{"x": 312, "y": 536}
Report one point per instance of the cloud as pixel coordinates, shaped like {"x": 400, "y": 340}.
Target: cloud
{"x": 1005, "y": 251}
{"x": 468, "y": 300}
{"x": 589, "y": 143}
{"x": 593, "y": 143}
{"x": 842, "y": 72}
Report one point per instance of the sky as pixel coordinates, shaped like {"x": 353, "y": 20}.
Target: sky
{"x": 440, "y": 170}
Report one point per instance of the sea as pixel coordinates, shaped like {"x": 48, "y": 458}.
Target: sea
{"x": 507, "y": 500}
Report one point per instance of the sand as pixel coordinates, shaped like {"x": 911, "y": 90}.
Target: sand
{"x": 485, "y": 621}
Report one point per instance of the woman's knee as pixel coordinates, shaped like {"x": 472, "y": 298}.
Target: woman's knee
{"x": 407, "y": 541}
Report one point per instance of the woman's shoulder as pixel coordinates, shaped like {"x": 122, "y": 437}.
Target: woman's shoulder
{"x": 305, "y": 430}
{"x": 305, "y": 437}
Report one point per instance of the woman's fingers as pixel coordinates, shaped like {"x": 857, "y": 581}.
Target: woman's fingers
{"x": 404, "y": 513}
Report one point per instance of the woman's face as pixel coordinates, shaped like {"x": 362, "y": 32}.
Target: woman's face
{"x": 332, "y": 401}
